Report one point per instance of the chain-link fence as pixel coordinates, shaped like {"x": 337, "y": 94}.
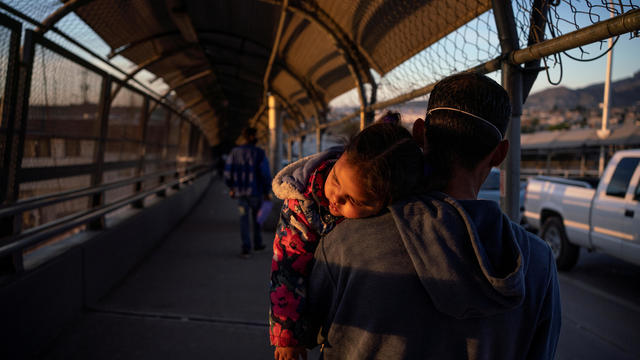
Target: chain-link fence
{"x": 477, "y": 42}
{"x": 84, "y": 145}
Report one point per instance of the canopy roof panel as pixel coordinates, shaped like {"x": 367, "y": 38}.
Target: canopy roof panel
{"x": 326, "y": 48}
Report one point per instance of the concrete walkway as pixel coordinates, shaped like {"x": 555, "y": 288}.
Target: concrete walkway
{"x": 192, "y": 298}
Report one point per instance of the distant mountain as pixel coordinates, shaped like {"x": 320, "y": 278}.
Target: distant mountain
{"x": 625, "y": 92}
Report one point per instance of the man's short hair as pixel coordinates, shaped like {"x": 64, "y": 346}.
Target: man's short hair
{"x": 249, "y": 134}
{"x": 467, "y": 117}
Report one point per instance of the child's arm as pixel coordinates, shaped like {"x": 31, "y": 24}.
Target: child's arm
{"x": 293, "y": 248}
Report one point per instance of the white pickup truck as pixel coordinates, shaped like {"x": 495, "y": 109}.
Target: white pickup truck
{"x": 570, "y": 214}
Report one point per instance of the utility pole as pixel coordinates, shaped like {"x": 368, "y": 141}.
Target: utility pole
{"x": 604, "y": 132}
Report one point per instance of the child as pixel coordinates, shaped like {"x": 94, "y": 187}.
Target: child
{"x": 379, "y": 165}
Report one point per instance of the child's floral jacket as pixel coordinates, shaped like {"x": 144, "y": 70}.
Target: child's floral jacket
{"x": 304, "y": 218}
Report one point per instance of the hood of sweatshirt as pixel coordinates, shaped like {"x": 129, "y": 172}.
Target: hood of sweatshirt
{"x": 291, "y": 182}
{"x": 465, "y": 252}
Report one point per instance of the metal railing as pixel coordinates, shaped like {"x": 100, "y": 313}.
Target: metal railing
{"x": 31, "y": 237}
{"x": 41, "y": 196}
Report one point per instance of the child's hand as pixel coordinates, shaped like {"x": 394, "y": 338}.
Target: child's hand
{"x": 290, "y": 353}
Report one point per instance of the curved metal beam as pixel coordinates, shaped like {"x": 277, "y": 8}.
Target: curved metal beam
{"x": 319, "y": 107}
{"x": 152, "y": 60}
{"x": 354, "y": 57}
{"x": 193, "y": 103}
{"x": 312, "y": 92}
{"x": 305, "y": 85}
{"x": 158, "y": 36}
{"x": 59, "y": 13}
{"x": 184, "y": 82}
{"x": 134, "y": 44}
{"x": 291, "y": 109}
{"x": 272, "y": 57}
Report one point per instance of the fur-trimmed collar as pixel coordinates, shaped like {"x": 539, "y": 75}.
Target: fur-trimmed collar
{"x": 291, "y": 182}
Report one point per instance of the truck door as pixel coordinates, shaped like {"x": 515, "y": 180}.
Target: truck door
{"x": 631, "y": 248}
{"x": 610, "y": 228}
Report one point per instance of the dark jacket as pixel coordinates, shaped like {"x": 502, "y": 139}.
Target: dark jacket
{"x": 247, "y": 171}
{"x": 435, "y": 278}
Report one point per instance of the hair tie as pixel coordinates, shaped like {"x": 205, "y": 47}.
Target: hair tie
{"x": 469, "y": 114}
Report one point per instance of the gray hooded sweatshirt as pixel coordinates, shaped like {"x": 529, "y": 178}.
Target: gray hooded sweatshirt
{"x": 435, "y": 278}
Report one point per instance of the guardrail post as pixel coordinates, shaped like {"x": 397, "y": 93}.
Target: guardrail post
{"x": 144, "y": 122}
{"x": 96, "y": 178}
{"x": 176, "y": 174}
{"x": 165, "y": 151}
{"x": 301, "y": 153}
{"x": 289, "y": 150}
{"x": 14, "y": 138}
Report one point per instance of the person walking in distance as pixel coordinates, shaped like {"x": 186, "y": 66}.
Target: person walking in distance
{"x": 247, "y": 175}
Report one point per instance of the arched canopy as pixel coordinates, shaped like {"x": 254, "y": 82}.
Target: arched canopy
{"x": 214, "y": 54}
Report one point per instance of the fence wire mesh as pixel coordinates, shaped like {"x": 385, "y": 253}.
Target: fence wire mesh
{"x": 63, "y": 136}
{"x": 562, "y": 17}
{"x": 5, "y": 42}
{"x": 477, "y": 42}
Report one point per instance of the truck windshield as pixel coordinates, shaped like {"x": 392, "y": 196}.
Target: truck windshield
{"x": 621, "y": 177}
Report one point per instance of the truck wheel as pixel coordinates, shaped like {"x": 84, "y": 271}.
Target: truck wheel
{"x": 565, "y": 253}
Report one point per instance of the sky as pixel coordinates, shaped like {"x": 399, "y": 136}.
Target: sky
{"x": 581, "y": 74}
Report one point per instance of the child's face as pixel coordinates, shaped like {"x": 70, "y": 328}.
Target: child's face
{"x": 345, "y": 192}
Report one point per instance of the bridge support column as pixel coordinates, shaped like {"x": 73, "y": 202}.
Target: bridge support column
{"x": 512, "y": 81}
{"x": 275, "y": 135}
{"x": 289, "y": 150}
{"x": 301, "y": 152}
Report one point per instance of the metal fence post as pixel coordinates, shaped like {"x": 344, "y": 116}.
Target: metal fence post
{"x": 144, "y": 122}
{"x": 14, "y": 138}
{"x": 165, "y": 150}
{"x": 289, "y": 150}
{"x": 301, "y": 151}
{"x": 9, "y": 103}
{"x": 512, "y": 82}
{"x": 96, "y": 178}
{"x": 275, "y": 134}
{"x": 176, "y": 174}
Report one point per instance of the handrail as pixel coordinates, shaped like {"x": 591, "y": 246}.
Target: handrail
{"x": 50, "y": 199}
{"x": 46, "y": 231}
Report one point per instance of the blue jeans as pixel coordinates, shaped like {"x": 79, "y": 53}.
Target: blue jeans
{"x": 248, "y": 207}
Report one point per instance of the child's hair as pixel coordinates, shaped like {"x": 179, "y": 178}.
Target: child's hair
{"x": 389, "y": 161}
{"x": 467, "y": 117}
{"x": 392, "y": 117}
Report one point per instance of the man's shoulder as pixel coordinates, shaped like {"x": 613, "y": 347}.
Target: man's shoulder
{"x": 370, "y": 227}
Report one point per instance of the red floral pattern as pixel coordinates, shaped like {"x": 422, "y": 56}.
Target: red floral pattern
{"x": 280, "y": 336}
{"x": 302, "y": 223}
{"x": 285, "y": 304}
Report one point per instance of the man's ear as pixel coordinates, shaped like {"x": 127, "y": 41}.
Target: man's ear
{"x": 499, "y": 153}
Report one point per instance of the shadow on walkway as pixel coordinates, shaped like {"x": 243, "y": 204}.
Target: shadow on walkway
{"x": 192, "y": 298}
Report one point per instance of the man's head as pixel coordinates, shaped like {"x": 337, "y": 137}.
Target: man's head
{"x": 249, "y": 134}
{"x": 466, "y": 121}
